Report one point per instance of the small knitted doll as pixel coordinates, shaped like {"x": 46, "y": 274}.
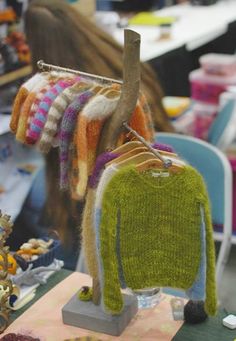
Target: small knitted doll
{"x": 39, "y": 119}
{"x": 56, "y": 111}
{"x": 67, "y": 128}
{"x": 21, "y": 97}
{"x": 150, "y": 232}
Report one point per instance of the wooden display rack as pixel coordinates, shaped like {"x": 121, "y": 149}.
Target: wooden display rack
{"x": 90, "y": 315}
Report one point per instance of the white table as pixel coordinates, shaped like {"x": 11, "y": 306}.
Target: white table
{"x": 196, "y": 26}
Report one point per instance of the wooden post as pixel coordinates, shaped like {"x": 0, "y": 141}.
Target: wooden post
{"x": 125, "y": 107}
{"x": 129, "y": 92}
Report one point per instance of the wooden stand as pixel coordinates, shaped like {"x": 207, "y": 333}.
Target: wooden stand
{"x": 90, "y": 315}
{"x": 87, "y": 315}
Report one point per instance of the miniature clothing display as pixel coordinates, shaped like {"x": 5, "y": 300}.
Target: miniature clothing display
{"x": 150, "y": 231}
{"x": 70, "y": 111}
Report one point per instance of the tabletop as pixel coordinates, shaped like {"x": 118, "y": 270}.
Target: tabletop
{"x": 212, "y": 329}
{"x": 194, "y": 27}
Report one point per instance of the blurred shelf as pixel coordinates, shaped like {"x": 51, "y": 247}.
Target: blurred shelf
{"x": 15, "y": 75}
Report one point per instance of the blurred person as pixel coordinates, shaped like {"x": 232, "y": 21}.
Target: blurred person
{"x": 60, "y": 35}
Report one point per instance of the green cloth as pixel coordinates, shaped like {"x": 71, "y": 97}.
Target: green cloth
{"x": 150, "y": 232}
{"x": 210, "y": 330}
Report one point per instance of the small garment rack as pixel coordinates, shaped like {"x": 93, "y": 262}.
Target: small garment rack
{"x": 166, "y": 162}
{"x": 50, "y": 67}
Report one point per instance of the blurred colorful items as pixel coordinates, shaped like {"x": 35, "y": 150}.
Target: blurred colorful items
{"x": 151, "y": 19}
{"x": 176, "y": 106}
{"x": 7, "y": 15}
{"x": 18, "y": 41}
{"x": 12, "y": 264}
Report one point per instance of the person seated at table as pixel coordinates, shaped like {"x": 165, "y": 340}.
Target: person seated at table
{"x": 60, "y": 35}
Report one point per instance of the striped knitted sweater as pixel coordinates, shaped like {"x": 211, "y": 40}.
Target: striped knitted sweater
{"x": 34, "y": 108}
{"x": 40, "y": 117}
{"x": 21, "y": 97}
{"x": 67, "y": 128}
{"x": 150, "y": 232}
{"x": 56, "y": 111}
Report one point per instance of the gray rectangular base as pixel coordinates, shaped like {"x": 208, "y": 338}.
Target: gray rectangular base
{"x": 86, "y": 315}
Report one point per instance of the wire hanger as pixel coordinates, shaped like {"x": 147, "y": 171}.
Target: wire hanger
{"x": 166, "y": 162}
{"x": 49, "y": 67}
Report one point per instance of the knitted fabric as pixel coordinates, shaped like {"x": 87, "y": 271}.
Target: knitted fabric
{"x": 152, "y": 225}
{"x": 25, "y": 109}
{"x": 87, "y": 229}
{"x": 101, "y": 161}
{"x": 34, "y": 108}
{"x": 21, "y": 97}
{"x": 88, "y": 235}
{"x": 39, "y": 119}
{"x": 56, "y": 111}
{"x": 198, "y": 291}
{"x": 90, "y": 124}
{"x": 105, "y": 157}
{"x": 67, "y": 129}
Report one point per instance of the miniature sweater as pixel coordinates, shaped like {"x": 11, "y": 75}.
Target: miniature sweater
{"x": 40, "y": 117}
{"x": 21, "y": 97}
{"x": 25, "y": 109}
{"x": 67, "y": 129}
{"x": 90, "y": 123}
{"x": 34, "y": 108}
{"x": 150, "y": 231}
{"x": 56, "y": 111}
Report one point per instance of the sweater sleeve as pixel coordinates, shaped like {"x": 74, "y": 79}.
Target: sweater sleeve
{"x": 211, "y": 298}
{"x": 111, "y": 293}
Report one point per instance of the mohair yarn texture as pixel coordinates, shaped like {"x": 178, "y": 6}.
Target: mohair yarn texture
{"x": 56, "y": 111}
{"x": 150, "y": 231}
{"x": 21, "y": 97}
{"x": 90, "y": 123}
{"x": 34, "y": 107}
{"x": 37, "y": 123}
{"x": 67, "y": 129}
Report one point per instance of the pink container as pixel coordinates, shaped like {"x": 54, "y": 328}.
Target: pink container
{"x": 207, "y": 88}
{"x": 204, "y": 115}
{"x": 218, "y": 64}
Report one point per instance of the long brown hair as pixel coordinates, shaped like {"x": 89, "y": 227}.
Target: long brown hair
{"x": 60, "y": 35}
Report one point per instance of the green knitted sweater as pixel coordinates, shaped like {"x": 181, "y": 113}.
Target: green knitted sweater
{"x": 150, "y": 232}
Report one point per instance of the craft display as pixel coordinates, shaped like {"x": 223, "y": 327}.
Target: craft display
{"x": 7, "y": 289}
{"x": 146, "y": 221}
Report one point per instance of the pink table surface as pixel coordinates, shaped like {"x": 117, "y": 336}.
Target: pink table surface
{"x": 44, "y": 320}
